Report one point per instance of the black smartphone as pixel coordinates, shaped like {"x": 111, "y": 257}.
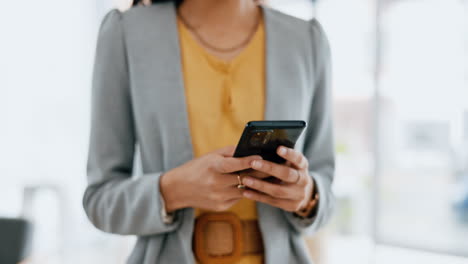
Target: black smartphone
{"x": 264, "y": 137}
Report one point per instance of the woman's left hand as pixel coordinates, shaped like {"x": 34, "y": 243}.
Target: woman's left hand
{"x": 294, "y": 191}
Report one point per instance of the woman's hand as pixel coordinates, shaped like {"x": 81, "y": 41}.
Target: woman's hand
{"x": 206, "y": 182}
{"x": 295, "y": 189}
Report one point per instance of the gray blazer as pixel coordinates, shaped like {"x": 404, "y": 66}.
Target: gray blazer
{"x": 138, "y": 107}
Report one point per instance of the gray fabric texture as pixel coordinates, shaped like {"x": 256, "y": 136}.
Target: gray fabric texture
{"x": 138, "y": 104}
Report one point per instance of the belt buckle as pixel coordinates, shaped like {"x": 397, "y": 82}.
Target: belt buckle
{"x": 201, "y": 253}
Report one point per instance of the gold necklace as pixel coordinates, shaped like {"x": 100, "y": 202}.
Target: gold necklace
{"x": 212, "y": 47}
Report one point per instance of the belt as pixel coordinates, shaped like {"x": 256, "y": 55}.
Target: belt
{"x": 223, "y": 238}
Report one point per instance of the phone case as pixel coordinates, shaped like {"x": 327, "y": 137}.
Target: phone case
{"x": 264, "y": 137}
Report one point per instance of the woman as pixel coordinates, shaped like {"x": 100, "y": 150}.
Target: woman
{"x": 176, "y": 82}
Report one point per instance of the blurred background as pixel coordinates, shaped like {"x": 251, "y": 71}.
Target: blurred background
{"x": 401, "y": 129}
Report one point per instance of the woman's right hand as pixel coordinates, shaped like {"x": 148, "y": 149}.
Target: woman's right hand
{"x": 206, "y": 182}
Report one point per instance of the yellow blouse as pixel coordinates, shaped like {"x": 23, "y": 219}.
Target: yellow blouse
{"x": 221, "y": 98}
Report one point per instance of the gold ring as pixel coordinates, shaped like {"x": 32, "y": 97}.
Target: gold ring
{"x": 239, "y": 179}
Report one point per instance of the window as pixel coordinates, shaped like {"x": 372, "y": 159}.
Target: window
{"x": 423, "y": 182}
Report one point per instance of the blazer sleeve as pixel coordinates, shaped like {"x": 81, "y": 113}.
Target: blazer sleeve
{"x": 319, "y": 146}
{"x": 113, "y": 200}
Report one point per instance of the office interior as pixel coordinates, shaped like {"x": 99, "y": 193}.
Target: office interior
{"x": 400, "y": 93}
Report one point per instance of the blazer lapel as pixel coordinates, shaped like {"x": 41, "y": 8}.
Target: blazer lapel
{"x": 276, "y": 49}
{"x": 168, "y": 76}
{"x": 285, "y": 89}
{"x": 173, "y": 120}
{"x": 276, "y": 81}
{"x": 273, "y": 79}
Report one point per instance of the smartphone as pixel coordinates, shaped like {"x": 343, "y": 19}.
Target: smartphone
{"x": 264, "y": 137}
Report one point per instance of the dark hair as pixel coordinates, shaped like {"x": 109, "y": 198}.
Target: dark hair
{"x": 177, "y": 2}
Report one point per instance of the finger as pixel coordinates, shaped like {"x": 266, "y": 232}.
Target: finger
{"x": 229, "y": 164}
{"x": 225, "y": 194}
{"x": 281, "y": 172}
{"x": 233, "y": 201}
{"x": 293, "y": 156}
{"x": 228, "y": 180}
{"x": 228, "y": 204}
{"x": 223, "y": 205}
{"x": 233, "y": 193}
{"x": 274, "y": 190}
{"x": 254, "y": 173}
{"x": 226, "y": 151}
{"x": 264, "y": 198}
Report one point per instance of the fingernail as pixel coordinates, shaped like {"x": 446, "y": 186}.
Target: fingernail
{"x": 247, "y": 181}
{"x": 282, "y": 150}
{"x": 247, "y": 194}
{"x": 256, "y": 164}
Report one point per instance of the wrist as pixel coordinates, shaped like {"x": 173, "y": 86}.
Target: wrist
{"x": 309, "y": 195}
{"x": 170, "y": 191}
{"x": 309, "y": 209}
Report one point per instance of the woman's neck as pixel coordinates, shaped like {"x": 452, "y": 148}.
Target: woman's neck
{"x": 220, "y": 14}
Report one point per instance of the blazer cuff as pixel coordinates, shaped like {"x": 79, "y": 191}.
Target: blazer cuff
{"x": 128, "y": 206}
{"x": 310, "y": 224}
{"x": 166, "y": 218}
